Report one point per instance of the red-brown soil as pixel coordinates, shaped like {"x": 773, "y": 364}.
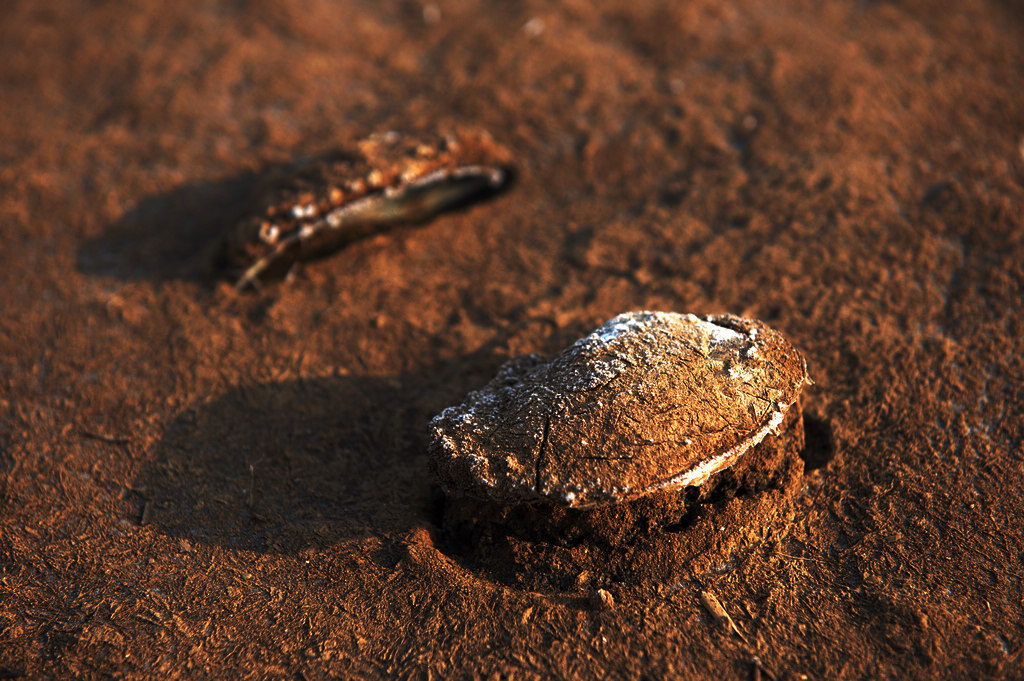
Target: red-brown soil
{"x": 202, "y": 483}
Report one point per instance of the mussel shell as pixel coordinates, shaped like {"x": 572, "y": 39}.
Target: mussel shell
{"x": 318, "y": 205}
{"x": 647, "y": 401}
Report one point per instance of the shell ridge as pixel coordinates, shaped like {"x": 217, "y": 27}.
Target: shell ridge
{"x": 697, "y": 474}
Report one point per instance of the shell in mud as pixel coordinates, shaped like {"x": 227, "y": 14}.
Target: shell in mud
{"x": 647, "y": 401}
{"x": 319, "y": 205}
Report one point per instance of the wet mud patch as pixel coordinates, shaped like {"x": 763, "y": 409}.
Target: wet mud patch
{"x": 659, "y": 539}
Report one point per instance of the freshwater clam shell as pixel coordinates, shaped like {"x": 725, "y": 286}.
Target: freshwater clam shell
{"x": 647, "y": 401}
{"x": 319, "y": 205}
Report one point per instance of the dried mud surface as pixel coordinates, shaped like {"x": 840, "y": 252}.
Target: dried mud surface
{"x": 203, "y": 483}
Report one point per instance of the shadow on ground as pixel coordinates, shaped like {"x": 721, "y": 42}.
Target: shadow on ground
{"x": 276, "y": 467}
{"x": 819, "y": 443}
{"x": 173, "y": 235}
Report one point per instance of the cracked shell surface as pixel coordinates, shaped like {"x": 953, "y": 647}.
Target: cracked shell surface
{"x": 647, "y": 401}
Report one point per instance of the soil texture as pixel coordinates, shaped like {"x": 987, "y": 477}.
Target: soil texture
{"x": 202, "y": 482}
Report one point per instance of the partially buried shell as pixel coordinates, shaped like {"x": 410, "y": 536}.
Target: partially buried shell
{"x": 319, "y": 205}
{"x": 647, "y": 401}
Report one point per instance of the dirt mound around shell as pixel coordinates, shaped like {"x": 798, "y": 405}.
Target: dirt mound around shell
{"x": 658, "y": 539}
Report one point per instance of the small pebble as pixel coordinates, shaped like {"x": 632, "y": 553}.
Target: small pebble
{"x": 600, "y": 599}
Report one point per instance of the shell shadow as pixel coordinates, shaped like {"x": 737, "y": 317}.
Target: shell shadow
{"x": 820, "y": 446}
{"x": 173, "y": 235}
{"x": 276, "y": 467}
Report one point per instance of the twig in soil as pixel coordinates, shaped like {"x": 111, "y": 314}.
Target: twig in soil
{"x": 715, "y": 609}
{"x": 252, "y": 479}
{"x": 757, "y": 671}
{"x": 105, "y": 438}
{"x": 812, "y": 560}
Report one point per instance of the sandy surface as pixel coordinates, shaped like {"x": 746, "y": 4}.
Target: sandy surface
{"x": 200, "y": 482}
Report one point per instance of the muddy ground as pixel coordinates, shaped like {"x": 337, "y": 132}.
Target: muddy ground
{"x": 212, "y": 484}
